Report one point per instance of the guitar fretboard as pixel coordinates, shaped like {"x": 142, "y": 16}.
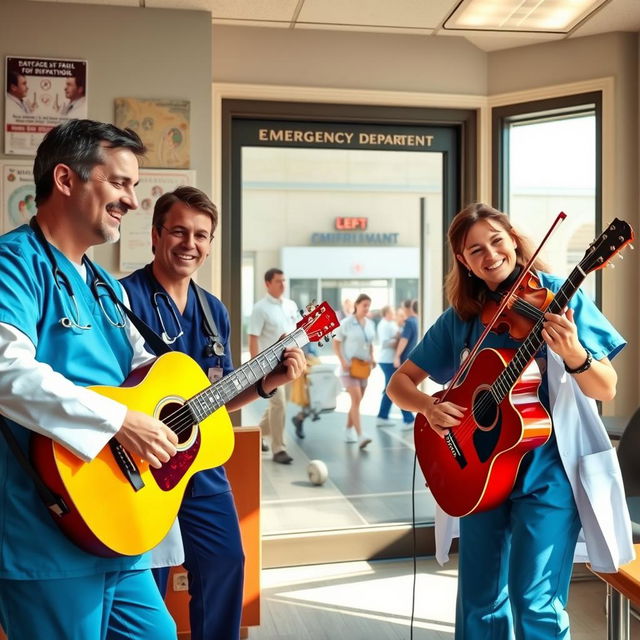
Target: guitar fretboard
{"x": 203, "y": 404}
{"x": 531, "y": 345}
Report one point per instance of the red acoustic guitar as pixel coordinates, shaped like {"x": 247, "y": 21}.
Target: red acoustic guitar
{"x": 474, "y": 467}
{"x": 116, "y": 504}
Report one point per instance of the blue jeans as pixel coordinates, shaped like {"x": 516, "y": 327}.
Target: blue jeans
{"x": 385, "y": 402}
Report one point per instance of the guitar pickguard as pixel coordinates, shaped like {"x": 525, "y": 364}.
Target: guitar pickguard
{"x": 173, "y": 471}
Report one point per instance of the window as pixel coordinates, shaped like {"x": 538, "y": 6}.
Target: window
{"x": 548, "y": 161}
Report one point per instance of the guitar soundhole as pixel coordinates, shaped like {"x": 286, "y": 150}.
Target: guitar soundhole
{"x": 178, "y": 418}
{"x": 485, "y": 410}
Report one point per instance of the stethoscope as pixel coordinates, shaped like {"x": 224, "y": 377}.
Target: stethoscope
{"x": 72, "y": 321}
{"x": 214, "y": 346}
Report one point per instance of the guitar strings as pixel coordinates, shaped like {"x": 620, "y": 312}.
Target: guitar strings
{"x": 465, "y": 430}
{"x": 185, "y": 417}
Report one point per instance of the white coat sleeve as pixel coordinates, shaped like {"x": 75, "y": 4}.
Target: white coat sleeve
{"x": 38, "y": 398}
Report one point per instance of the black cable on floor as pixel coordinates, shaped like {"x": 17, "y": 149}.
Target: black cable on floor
{"x": 413, "y": 544}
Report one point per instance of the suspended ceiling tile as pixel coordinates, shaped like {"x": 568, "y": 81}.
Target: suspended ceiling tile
{"x": 498, "y": 41}
{"x": 269, "y": 10}
{"x": 618, "y": 15}
{"x": 234, "y": 22}
{"x": 424, "y": 14}
{"x": 357, "y": 27}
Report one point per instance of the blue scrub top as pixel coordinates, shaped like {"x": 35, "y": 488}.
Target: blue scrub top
{"x": 31, "y": 545}
{"x": 440, "y": 350}
{"x": 141, "y": 286}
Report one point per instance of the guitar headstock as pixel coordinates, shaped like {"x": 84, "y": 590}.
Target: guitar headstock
{"x": 319, "y": 322}
{"x": 616, "y": 236}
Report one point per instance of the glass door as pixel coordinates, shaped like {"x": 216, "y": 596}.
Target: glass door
{"x": 342, "y": 209}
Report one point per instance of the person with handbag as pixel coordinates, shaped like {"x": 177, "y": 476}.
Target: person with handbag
{"x": 353, "y": 344}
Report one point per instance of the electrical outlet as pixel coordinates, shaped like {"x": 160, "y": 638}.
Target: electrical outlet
{"x": 180, "y": 582}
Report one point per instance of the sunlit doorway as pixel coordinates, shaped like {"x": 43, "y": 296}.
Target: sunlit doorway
{"x": 341, "y": 219}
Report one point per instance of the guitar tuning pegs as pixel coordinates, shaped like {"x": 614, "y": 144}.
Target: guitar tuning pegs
{"x": 620, "y": 256}
{"x": 631, "y": 247}
{"x": 301, "y": 312}
{"x": 326, "y": 338}
{"x": 320, "y": 344}
{"x": 613, "y": 266}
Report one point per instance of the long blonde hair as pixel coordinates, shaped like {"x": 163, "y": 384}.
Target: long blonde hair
{"x": 467, "y": 294}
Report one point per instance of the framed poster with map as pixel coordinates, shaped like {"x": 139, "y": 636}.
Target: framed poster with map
{"x": 163, "y": 126}
{"x": 18, "y": 194}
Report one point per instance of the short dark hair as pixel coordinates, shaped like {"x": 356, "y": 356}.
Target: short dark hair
{"x": 79, "y": 81}
{"x": 12, "y": 79}
{"x": 78, "y": 144}
{"x": 192, "y": 197}
{"x": 271, "y": 273}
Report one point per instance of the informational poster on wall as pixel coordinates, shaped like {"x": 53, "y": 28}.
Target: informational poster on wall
{"x": 18, "y": 194}
{"x": 163, "y": 126}
{"x": 40, "y": 93}
{"x": 135, "y": 230}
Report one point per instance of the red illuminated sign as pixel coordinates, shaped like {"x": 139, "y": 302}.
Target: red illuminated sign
{"x": 349, "y": 224}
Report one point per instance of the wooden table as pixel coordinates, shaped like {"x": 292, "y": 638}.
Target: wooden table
{"x": 622, "y": 587}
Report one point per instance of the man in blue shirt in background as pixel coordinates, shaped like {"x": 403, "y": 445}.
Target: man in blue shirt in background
{"x": 407, "y": 341}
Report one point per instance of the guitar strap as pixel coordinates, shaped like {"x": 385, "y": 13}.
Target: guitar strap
{"x": 216, "y": 347}
{"x": 52, "y": 500}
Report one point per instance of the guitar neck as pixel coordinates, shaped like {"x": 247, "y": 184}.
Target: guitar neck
{"x": 531, "y": 345}
{"x": 203, "y": 404}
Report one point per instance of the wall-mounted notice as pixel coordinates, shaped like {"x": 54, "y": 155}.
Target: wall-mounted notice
{"x": 163, "y": 126}
{"x": 40, "y": 93}
{"x": 18, "y": 193}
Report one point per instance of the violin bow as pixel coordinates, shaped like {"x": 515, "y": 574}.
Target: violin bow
{"x": 464, "y": 365}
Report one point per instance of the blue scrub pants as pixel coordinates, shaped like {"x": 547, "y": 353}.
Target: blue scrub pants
{"x": 516, "y": 562}
{"x": 214, "y": 560}
{"x": 120, "y": 605}
{"x": 385, "y": 404}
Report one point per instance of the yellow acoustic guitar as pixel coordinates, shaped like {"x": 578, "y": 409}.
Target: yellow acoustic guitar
{"x": 116, "y": 504}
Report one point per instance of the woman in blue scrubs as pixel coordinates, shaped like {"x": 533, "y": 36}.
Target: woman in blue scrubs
{"x": 515, "y": 560}
{"x": 164, "y": 296}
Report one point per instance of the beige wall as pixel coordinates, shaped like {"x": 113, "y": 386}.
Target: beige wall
{"x": 349, "y": 60}
{"x": 137, "y": 53}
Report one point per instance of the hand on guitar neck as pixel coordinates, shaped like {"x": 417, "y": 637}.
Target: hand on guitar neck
{"x": 147, "y": 437}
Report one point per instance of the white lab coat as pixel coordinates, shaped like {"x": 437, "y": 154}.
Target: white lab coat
{"x": 592, "y": 467}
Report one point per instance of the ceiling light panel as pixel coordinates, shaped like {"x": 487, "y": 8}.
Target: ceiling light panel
{"x": 551, "y": 16}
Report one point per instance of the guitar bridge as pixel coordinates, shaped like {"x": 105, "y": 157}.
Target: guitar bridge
{"x": 452, "y": 443}
{"x": 126, "y": 464}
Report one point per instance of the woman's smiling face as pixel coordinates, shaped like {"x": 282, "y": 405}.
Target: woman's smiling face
{"x": 489, "y": 252}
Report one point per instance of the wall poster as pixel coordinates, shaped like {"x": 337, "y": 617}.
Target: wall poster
{"x": 40, "y": 93}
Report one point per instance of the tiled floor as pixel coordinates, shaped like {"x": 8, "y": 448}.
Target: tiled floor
{"x": 364, "y": 487}
{"x": 372, "y": 601}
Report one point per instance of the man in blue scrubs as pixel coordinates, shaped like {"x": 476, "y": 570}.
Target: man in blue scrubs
{"x": 55, "y": 340}
{"x": 165, "y": 297}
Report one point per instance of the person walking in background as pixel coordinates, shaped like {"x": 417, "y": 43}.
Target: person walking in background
{"x": 401, "y": 317}
{"x": 407, "y": 341}
{"x": 353, "y": 344}
{"x": 388, "y": 336}
{"x": 272, "y": 317}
